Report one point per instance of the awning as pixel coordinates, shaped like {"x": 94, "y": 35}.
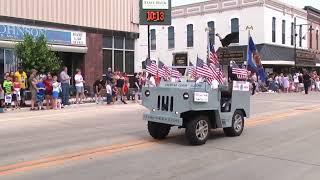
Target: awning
{"x": 59, "y": 48}
{"x": 270, "y": 55}
{"x": 278, "y": 62}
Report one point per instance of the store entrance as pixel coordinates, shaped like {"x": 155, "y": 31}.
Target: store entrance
{"x": 1, "y": 65}
{"x": 72, "y": 61}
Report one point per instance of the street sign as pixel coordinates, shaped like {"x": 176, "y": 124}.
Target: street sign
{"x": 155, "y": 12}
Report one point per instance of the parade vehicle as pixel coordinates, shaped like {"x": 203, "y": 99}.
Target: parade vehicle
{"x": 197, "y": 107}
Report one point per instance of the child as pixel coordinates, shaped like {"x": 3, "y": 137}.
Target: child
{"x": 40, "y": 94}
{"x": 55, "y": 92}
{"x": 8, "y": 86}
{"x": 16, "y": 93}
{"x": 114, "y": 93}
{"x": 109, "y": 93}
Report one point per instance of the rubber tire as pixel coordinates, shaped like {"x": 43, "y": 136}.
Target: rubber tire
{"x": 158, "y": 130}
{"x": 230, "y": 131}
{"x": 191, "y": 130}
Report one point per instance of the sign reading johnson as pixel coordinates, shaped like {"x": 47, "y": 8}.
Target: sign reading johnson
{"x": 15, "y": 32}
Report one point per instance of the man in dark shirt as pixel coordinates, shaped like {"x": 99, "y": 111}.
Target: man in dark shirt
{"x": 306, "y": 81}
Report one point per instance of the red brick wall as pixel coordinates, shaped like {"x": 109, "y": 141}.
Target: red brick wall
{"x": 93, "y": 60}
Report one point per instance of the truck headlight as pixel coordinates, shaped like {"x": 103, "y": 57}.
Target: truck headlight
{"x": 185, "y": 96}
{"x": 147, "y": 93}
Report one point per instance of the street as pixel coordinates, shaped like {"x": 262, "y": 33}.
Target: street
{"x": 280, "y": 142}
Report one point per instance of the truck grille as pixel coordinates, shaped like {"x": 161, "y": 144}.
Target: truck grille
{"x": 165, "y": 103}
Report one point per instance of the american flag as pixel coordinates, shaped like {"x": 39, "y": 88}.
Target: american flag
{"x": 214, "y": 65}
{"x": 241, "y": 73}
{"x": 212, "y": 55}
{"x": 175, "y": 73}
{"x": 192, "y": 70}
{"x": 202, "y": 69}
{"x": 164, "y": 70}
{"x": 151, "y": 66}
{"x": 216, "y": 73}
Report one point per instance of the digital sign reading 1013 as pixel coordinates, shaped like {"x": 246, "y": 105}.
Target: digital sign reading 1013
{"x": 155, "y": 12}
{"x": 156, "y": 16}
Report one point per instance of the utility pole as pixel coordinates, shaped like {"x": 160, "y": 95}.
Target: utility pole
{"x": 295, "y": 43}
{"x": 148, "y": 41}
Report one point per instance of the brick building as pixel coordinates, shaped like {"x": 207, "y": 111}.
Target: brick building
{"x": 314, "y": 33}
{"x": 90, "y": 35}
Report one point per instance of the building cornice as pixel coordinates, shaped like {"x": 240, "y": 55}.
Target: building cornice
{"x": 219, "y": 6}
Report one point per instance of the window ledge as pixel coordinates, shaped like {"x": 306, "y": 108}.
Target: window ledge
{"x": 171, "y": 49}
{"x": 190, "y": 47}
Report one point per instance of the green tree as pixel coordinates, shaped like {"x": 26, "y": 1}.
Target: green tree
{"x": 35, "y": 54}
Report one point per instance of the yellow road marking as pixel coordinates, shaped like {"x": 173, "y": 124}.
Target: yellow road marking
{"x": 60, "y": 159}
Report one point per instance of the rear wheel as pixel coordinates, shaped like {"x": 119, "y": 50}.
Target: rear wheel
{"x": 237, "y": 125}
{"x": 197, "y": 130}
{"x": 158, "y": 130}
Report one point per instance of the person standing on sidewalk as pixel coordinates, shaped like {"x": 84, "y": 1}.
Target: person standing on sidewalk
{"x": 22, "y": 79}
{"x": 109, "y": 92}
{"x": 48, "y": 84}
{"x": 79, "y": 86}
{"x": 306, "y": 81}
{"x": 120, "y": 85}
{"x": 65, "y": 85}
{"x": 8, "y": 87}
{"x": 56, "y": 89}
{"x": 33, "y": 88}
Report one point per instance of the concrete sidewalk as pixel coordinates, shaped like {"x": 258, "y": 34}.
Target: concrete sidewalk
{"x": 72, "y": 106}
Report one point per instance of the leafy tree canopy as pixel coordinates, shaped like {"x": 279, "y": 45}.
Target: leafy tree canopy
{"x": 35, "y": 54}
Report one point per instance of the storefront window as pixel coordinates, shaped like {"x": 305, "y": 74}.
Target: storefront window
{"x": 107, "y": 60}
{"x": 118, "y": 42}
{"x": 107, "y": 42}
{"x": 130, "y": 44}
{"x": 118, "y": 53}
{"x": 118, "y": 61}
{"x": 129, "y": 61}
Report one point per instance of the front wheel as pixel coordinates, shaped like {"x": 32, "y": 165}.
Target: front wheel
{"x": 237, "y": 125}
{"x": 158, "y": 130}
{"x": 197, "y": 130}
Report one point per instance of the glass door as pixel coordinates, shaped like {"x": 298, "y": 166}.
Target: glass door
{"x": 10, "y": 61}
{"x": 1, "y": 64}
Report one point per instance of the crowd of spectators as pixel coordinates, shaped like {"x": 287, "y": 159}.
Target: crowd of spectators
{"x": 303, "y": 81}
{"x": 53, "y": 91}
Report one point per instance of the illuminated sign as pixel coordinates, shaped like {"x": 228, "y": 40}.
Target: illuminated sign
{"x": 155, "y": 12}
{"x": 155, "y": 16}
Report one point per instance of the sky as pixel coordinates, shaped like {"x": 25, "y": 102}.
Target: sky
{"x": 298, "y": 3}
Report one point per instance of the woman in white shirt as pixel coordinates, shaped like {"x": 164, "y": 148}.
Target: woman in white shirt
{"x": 79, "y": 83}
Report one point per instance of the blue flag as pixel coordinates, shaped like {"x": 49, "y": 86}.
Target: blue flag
{"x": 254, "y": 61}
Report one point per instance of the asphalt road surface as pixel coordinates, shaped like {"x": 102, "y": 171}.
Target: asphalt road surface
{"x": 96, "y": 142}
